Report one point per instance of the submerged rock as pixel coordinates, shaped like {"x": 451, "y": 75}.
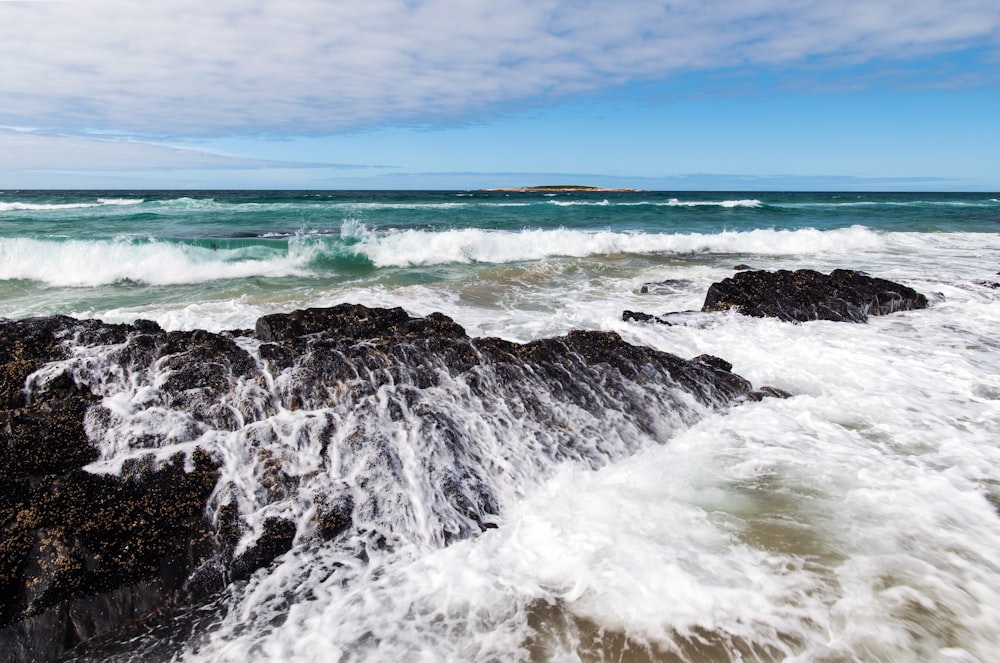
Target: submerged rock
{"x": 843, "y": 295}
{"x": 86, "y": 549}
{"x": 669, "y": 286}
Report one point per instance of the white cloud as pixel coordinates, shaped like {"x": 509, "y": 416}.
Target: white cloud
{"x": 190, "y": 67}
{"x": 29, "y": 151}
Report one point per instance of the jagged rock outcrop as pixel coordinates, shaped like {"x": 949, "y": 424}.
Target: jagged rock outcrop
{"x": 799, "y": 296}
{"x": 805, "y": 294}
{"x": 84, "y": 552}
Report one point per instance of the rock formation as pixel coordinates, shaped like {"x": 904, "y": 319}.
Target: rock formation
{"x": 114, "y": 502}
{"x": 799, "y": 296}
{"x": 805, "y": 294}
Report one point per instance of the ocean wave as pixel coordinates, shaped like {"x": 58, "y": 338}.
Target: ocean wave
{"x": 16, "y": 206}
{"x": 356, "y": 247}
{"x": 677, "y": 202}
{"x": 575, "y": 203}
{"x": 400, "y": 206}
{"x": 187, "y": 203}
{"x": 448, "y": 205}
{"x": 747, "y": 202}
{"x": 193, "y": 204}
{"x": 211, "y": 204}
{"x": 81, "y": 263}
{"x": 404, "y": 248}
{"x": 121, "y": 201}
{"x": 889, "y": 203}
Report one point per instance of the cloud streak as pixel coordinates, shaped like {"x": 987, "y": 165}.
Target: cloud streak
{"x": 194, "y": 68}
{"x": 29, "y": 151}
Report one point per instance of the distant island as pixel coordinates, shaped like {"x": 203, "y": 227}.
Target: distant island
{"x": 561, "y": 188}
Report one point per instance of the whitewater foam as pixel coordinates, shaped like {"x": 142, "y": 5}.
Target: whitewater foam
{"x": 578, "y": 203}
{"x": 838, "y": 524}
{"x": 101, "y": 202}
{"x": 79, "y": 263}
{"x": 745, "y": 202}
{"x": 414, "y": 247}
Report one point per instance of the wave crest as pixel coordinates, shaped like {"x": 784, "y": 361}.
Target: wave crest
{"x": 407, "y": 248}
{"x": 80, "y": 263}
{"x": 15, "y": 206}
{"x": 163, "y": 262}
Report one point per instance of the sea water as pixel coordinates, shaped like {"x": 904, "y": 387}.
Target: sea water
{"x": 857, "y": 520}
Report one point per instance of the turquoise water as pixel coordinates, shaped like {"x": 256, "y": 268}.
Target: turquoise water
{"x": 247, "y": 214}
{"x": 854, "y": 521}
{"x": 121, "y": 254}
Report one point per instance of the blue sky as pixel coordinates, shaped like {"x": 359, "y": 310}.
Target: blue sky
{"x": 721, "y": 94}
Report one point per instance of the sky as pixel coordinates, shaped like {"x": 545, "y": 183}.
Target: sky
{"x": 463, "y": 94}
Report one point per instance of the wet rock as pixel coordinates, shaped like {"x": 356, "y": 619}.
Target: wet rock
{"x": 717, "y": 362}
{"x": 276, "y": 539}
{"x": 802, "y": 295}
{"x": 332, "y": 519}
{"x": 82, "y": 553}
{"x": 638, "y": 316}
{"x": 994, "y": 499}
{"x": 665, "y": 287}
{"x": 354, "y": 322}
{"x": 768, "y": 392}
{"x": 696, "y": 319}
{"x": 45, "y": 438}
{"x": 76, "y": 536}
{"x": 201, "y": 369}
{"x": 24, "y": 346}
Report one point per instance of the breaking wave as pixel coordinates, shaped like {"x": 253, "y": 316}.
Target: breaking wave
{"x": 156, "y": 261}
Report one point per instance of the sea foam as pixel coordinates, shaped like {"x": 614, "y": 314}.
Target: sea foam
{"x": 81, "y": 263}
{"x": 101, "y": 202}
{"x": 840, "y": 523}
{"x": 415, "y": 247}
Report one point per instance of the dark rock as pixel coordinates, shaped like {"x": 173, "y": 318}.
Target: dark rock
{"x": 44, "y": 438}
{"x": 147, "y": 326}
{"x": 276, "y": 539}
{"x": 603, "y": 351}
{"x": 717, "y": 362}
{"x": 665, "y": 287}
{"x": 696, "y": 319}
{"x": 86, "y": 553}
{"x": 769, "y": 392}
{"x": 994, "y": 499}
{"x": 24, "y": 346}
{"x": 742, "y": 268}
{"x": 81, "y": 553}
{"x": 355, "y": 322}
{"x": 91, "y": 534}
{"x": 637, "y": 316}
{"x": 334, "y": 519}
{"x": 803, "y": 295}
{"x": 202, "y": 368}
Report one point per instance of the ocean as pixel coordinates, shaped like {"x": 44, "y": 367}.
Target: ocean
{"x": 856, "y": 520}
